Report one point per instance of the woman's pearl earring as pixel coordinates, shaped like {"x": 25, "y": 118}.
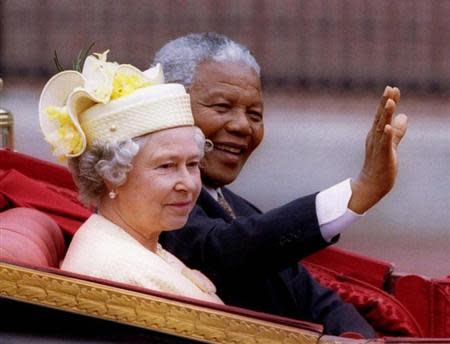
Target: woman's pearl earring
{"x": 112, "y": 194}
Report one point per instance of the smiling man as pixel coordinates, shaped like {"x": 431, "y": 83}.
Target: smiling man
{"x": 227, "y": 101}
{"x": 253, "y": 257}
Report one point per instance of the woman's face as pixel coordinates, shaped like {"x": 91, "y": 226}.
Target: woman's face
{"x": 163, "y": 185}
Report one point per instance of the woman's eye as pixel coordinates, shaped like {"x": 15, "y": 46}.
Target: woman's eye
{"x": 166, "y": 166}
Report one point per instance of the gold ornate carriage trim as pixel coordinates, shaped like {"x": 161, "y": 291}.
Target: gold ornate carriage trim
{"x": 145, "y": 311}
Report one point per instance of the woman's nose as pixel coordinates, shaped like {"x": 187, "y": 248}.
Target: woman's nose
{"x": 187, "y": 181}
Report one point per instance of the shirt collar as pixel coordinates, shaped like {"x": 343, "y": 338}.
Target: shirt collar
{"x": 214, "y": 193}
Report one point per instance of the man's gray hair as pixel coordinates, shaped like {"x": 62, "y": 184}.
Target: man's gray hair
{"x": 110, "y": 162}
{"x": 180, "y": 57}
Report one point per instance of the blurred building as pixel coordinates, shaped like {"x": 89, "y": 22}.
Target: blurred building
{"x": 335, "y": 43}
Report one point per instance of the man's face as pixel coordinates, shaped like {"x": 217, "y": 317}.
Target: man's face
{"x": 227, "y": 105}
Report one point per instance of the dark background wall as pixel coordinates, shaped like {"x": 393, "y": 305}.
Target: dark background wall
{"x": 326, "y": 43}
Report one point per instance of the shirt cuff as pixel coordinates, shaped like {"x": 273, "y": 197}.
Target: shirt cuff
{"x": 332, "y": 210}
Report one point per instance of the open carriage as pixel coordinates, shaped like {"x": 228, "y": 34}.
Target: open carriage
{"x": 39, "y": 213}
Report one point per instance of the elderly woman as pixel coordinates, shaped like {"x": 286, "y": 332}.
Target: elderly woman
{"x": 134, "y": 154}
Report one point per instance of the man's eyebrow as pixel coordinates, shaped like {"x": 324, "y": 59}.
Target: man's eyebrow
{"x": 217, "y": 93}
{"x": 258, "y": 104}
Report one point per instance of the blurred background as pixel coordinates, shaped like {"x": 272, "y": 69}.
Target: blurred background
{"x": 324, "y": 66}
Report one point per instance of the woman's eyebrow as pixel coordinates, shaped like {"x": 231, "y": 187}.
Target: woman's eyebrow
{"x": 173, "y": 156}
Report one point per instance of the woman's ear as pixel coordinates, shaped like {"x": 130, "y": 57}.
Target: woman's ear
{"x": 111, "y": 190}
{"x": 108, "y": 185}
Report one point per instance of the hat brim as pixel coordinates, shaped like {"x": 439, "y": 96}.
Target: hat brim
{"x": 56, "y": 93}
{"x": 155, "y": 74}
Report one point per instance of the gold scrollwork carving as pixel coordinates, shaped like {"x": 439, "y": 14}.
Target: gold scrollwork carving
{"x": 8, "y": 281}
{"x": 152, "y": 313}
{"x": 143, "y": 310}
{"x": 122, "y": 307}
{"x": 181, "y": 320}
{"x": 305, "y": 338}
{"x": 93, "y": 301}
{"x": 32, "y": 287}
{"x": 62, "y": 294}
{"x": 211, "y": 327}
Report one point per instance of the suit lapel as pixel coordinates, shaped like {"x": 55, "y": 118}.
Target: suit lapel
{"x": 212, "y": 207}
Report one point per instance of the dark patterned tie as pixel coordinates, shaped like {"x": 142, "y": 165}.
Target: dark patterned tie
{"x": 223, "y": 202}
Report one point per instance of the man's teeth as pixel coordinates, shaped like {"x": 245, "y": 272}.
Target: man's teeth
{"x": 228, "y": 148}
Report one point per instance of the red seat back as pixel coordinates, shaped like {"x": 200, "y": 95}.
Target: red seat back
{"x": 428, "y": 300}
{"x": 30, "y": 236}
{"x": 373, "y": 271}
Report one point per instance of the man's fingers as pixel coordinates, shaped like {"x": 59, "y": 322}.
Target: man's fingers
{"x": 393, "y": 133}
{"x": 400, "y": 122}
{"x": 399, "y": 127}
{"x": 387, "y": 138}
{"x": 384, "y": 98}
{"x": 389, "y": 93}
{"x": 396, "y": 94}
{"x": 386, "y": 118}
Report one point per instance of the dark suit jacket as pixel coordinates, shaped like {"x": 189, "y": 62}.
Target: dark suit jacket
{"x": 253, "y": 260}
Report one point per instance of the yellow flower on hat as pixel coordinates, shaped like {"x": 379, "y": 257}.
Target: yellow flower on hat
{"x": 65, "y": 140}
{"x": 125, "y": 84}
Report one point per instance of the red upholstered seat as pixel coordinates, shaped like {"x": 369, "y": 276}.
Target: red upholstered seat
{"x": 428, "y": 300}
{"x": 30, "y": 236}
{"x": 59, "y": 203}
{"x": 385, "y": 313}
{"x": 32, "y": 183}
{"x": 366, "y": 269}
